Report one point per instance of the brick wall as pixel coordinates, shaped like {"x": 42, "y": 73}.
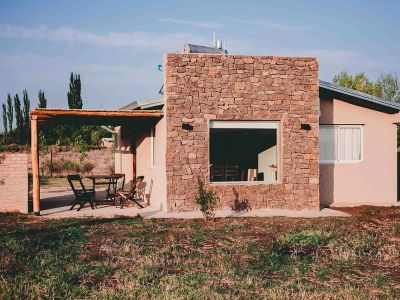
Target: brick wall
{"x": 14, "y": 182}
{"x": 202, "y": 87}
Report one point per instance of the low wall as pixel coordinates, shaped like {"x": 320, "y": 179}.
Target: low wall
{"x": 14, "y": 182}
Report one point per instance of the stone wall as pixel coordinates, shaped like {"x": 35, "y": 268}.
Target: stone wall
{"x": 203, "y": 87}
{"x": 14, "y": 182}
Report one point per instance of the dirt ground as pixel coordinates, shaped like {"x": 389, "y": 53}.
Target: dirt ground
{"x": 356, "y": 257}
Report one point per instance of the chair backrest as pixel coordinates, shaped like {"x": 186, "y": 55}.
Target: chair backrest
{"x": 120, "y": 181}
{"x": 135, "y": 186}
{"x": 75, "y": 181}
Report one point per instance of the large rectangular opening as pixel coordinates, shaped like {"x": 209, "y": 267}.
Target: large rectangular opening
{"x": 243, "y": 151}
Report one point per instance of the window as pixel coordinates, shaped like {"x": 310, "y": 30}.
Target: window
{"x": 153, "y": 147}
{"x": 340, "y": 143}
{"x": 243, "y": 151}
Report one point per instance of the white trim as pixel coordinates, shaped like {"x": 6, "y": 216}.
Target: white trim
{"x": 152, "y": 145}
{"x": 247, "y": 125}
{"x": 337, "y": 143}
{"x": 244, "y": 124}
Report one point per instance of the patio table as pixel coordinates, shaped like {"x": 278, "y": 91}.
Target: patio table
{"x": 107, "y": 179}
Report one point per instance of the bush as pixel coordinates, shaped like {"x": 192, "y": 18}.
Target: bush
{"x": 87, "y": 167}
{"x": 55, "y": 167}
{"x": 206, "y": 199}
{"x": 71, "y": 167}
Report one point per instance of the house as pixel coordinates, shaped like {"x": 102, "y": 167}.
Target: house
{"x": 261, "y": 130}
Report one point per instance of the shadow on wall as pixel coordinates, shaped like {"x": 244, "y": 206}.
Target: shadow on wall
{"x": 240, "y": 205}
{"x": 326, "y": 171}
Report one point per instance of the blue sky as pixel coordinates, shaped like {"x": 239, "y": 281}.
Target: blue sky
{"x": 116, "y": 45}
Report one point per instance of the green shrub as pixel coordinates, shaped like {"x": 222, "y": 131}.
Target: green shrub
{"x": 207, "y": 199}
{"x": 71, "y": 167}
{"x": 301, "y": 242}
{"x": 55, "y": 167}
{"x": 87, "y": 167}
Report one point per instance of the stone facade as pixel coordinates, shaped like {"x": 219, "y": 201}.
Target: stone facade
{"x": 14, "y": 182}
{"x": 203, "y": 87}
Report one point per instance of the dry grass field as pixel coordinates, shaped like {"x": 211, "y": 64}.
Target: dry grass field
{"x": 248, "y": 258}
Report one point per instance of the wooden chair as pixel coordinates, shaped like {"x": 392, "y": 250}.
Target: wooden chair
{"x": 217, "y": 173}
{"x": 134, "y": 195}
{"x": 231, "y": 173}
{"x": 113, "y": 188}
{"x": 82, "y": 194}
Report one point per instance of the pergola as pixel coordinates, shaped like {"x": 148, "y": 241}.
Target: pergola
{"x": 48, "y": 117}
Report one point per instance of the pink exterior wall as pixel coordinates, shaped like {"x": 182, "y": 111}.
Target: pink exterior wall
{"x": 374, "y": 180}
{"x": 14, "y": 182}
{"x": 154, "y": 176}
{"x": 123, "y": 154}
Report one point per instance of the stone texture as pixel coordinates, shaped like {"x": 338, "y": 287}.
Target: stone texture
{"x": 14, "y": 182}
{"x": 203, "y": 87}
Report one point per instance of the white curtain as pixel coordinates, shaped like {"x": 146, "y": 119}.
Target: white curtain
{"x": 340, "y": 143}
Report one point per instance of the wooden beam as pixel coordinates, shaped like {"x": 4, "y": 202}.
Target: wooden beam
{"x": 46, "y": 113}
{"x": 35, "y": 166}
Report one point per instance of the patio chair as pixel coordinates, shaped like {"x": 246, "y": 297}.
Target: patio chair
{"x": 82, "y": 194}
{"x": 133, "y": 196}
{"x": 114, "y": 187}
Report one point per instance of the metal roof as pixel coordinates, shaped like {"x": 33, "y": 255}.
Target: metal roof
{"x": 358, "y": 98}
{"x": 144, "y": 104}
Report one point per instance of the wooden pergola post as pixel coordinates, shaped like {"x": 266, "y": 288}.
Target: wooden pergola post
{"x": 35, "y": 165}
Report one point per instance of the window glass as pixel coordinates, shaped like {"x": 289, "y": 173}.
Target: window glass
{"x": 327, "y": 143}
{"x": 243, "y": 151}
{"x": 340, "y": 143}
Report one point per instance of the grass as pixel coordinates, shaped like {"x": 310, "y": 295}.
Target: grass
{"x": 252, "y": 258}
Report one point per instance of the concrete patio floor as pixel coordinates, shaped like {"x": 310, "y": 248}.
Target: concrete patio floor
{"x": 57, "y": 204}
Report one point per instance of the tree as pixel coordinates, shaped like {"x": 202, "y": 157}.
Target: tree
{"x": 10, "y": 113}
{"x": 359, "y": 82}
{"x": 74, "y": 94}
{"x": 42, "y": 100}
{"x": 5, "y": 119}
{"x": 26, "y": 122}
{"x": 19, "y": 118}
{"x": 387, "y": 86}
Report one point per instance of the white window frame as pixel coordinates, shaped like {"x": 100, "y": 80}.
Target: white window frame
{"x": 248, "y": 125}
{"x": 337, "y": 143}
{"x": 153, "y": 147}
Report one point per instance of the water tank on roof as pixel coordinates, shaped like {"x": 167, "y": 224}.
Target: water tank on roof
{"x": 190, "y": 48}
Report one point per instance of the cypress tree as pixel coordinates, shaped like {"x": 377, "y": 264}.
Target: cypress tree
{"x": 5, "y": 120}
{"x": 10, "y": 113}
{"x": 42, "y": 100}
{"x": 26, "y": 121}
{"x": 19, "y": 118}
{"x": 74, "y": 93}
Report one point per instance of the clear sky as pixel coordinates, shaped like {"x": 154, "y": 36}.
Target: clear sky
{"x": 116, "y": 45}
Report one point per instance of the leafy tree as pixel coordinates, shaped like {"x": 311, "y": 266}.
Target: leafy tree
{"x": 10, "y": 113}
{"x": 42, "y": 100}
{"x": 26, "y": 122}
{"x": 359, "y": 82}
{"x": 19, "y": 118}
{"x": 5, "y": 119}
{"x": 74, "y": 94}
{"x": 388, "y": 87}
